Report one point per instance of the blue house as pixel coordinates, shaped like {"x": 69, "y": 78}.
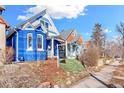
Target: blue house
{"x": 34, "y": 39}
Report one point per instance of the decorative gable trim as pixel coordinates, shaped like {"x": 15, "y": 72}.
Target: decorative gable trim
{"x": 51, "y": 22}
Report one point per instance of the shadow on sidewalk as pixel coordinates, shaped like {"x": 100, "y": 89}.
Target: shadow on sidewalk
{"x": 107, "y": 85}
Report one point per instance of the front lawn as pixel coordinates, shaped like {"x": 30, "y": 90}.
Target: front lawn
{"x": 73, "y": 66}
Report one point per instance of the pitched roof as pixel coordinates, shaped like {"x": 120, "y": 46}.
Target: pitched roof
{"x": 76, "y": 38}
{"x": 32, "y": 18}
{"x": 23, "y": 23}
{"x": 2, "y": 21}
{"x": 35, "y": 23}
{"x": 66, "y": 33}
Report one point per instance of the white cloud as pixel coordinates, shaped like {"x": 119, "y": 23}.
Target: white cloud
{"x": 56, "y": 11}
{"x": 20, "y": 17}
{"x": 107, "y": 31}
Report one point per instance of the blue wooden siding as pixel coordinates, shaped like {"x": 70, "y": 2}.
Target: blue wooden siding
{"x": 34, "y": 54}
{"x": 23, "y": 53}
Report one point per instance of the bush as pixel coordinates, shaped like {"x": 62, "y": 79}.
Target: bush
{"x": 90, "y": 57}
{"x": 6, "y": 56}
{"x": 9, "y": 55}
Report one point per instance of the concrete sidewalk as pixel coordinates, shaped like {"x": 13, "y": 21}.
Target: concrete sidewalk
{"x": 104, "y": 75}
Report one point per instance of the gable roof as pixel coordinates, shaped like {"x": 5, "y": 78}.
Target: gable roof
{"x": 34, "y": 19}
{"x": 76, "y": 39}
{"x": 66, "y": 33}
{"x": 2, "y": 21}
{"x": 42, "y": 13}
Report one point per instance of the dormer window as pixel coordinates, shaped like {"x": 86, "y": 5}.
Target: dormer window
{"x": 45, "y": 24}
{"x": 42, "y": 22}
{"x": 29, "y": 41}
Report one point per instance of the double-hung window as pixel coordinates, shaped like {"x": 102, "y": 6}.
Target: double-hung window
{"x": 39, "y": 42}
{"x": 29, "y": 41}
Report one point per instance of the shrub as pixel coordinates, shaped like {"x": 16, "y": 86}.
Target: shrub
{"x": 90, "y": 57}
{"x": 9, "y": 55}
{"x": 6, "y": 57}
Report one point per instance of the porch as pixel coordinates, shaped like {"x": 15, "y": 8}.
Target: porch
{"x": 52, "y": 45}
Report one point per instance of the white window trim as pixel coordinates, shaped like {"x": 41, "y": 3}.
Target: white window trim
{"x": 29, "y": 49}
{"x": 39, "y": 49}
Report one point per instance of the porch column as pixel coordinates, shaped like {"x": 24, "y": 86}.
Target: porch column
{"x": 66, "y": 45}
{"x": 52, "y": 47}
{"x": 71, "y": 49}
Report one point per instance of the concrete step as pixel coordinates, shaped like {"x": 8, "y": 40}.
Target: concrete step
{"x": 118, "y": 77}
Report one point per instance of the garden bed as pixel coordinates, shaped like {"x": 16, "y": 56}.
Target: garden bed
{"x": 33, "y": 74}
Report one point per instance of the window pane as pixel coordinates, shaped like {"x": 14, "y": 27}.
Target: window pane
{"x": 42, "y": 22}
{"x": 46, "y": 25}
{"x": 39, "y": 41}
{"x": 29, "y": 41}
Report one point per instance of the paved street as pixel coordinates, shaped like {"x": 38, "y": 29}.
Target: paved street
{"x": 100, "y": 78}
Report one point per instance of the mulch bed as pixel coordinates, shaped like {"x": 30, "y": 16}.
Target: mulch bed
{"x": 48, "y": 71}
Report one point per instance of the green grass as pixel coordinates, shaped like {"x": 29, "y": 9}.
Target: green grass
{"x": 73, "y": 66}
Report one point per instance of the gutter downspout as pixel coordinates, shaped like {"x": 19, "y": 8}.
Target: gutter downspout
{"x": 17, "y": 46}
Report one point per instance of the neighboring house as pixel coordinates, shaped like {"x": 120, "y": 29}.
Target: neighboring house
{"x": 34, "y": 39}
{"x": 74, "y": 43}
{"x": 87, "y": 44}
{"x": 3, "y": 27}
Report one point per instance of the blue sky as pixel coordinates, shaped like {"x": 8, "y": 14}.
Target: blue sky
{"x": 108, "y": 16}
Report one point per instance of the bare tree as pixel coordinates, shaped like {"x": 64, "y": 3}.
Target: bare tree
{"x": 98, "y": 38}
{"x": 120, "y": 29}
{"x": 112, "y": 49}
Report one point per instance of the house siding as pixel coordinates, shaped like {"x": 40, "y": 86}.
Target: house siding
{"x": 34, "y": 54}
{"x": 23, "y": 53}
